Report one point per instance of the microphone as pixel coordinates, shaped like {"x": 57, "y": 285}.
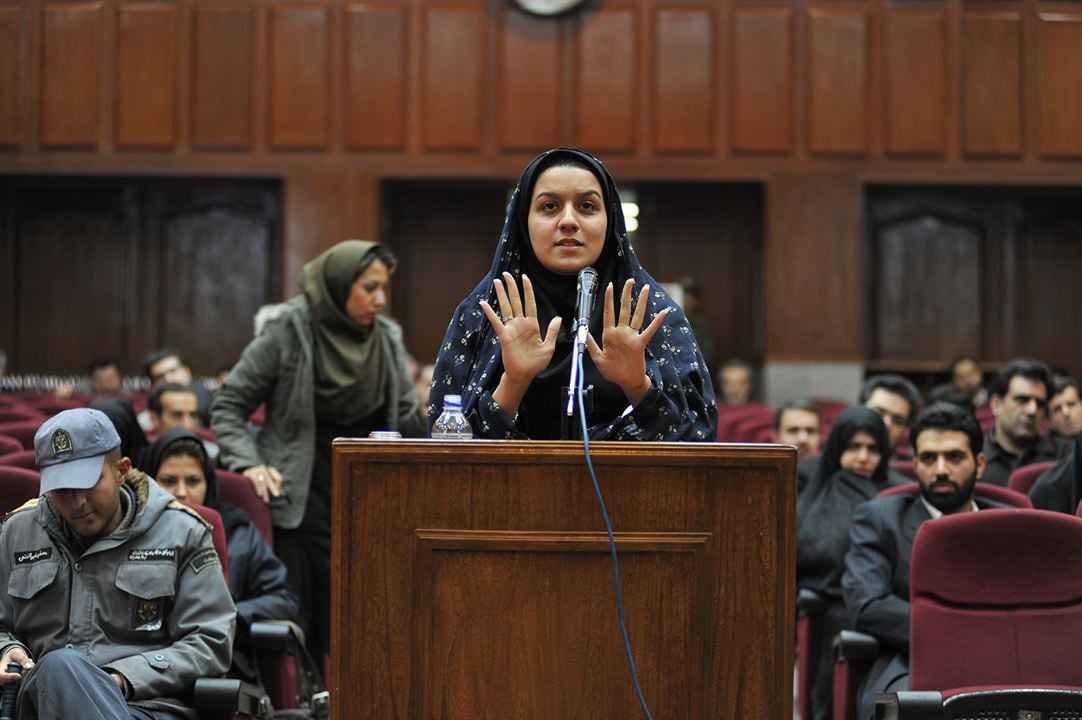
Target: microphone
{"x": 586, "y": 286}
{"x": 584, "y": 303}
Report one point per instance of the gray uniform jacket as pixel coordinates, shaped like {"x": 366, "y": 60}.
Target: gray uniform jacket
{"x": 277, "y": 368}
{"x": 148, "y": 601}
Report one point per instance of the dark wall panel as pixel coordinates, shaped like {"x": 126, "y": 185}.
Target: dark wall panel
{"x": 299, "y": 76}
{"x": 1060, "y": 84}
{"x": 837, "y": 81}
{"x": 762, "y": 80}
{"x": 10, "y": 37}
{"x": 221, "y": 76}
{"x": 71, "y": 64}
{"x": 377, "y": 76}
{"x": 453, "y": 80}
{"x": 72, "y": 290}
{"x": 606, "y": 52}
{"x": 530, "y": 93}
{"x": 146, "y": 62}
{"x": 928, "y": 287}
{"x": 916, "y": 78}
{"x": 992, "y": 83}
{"x": 685, "y": 91}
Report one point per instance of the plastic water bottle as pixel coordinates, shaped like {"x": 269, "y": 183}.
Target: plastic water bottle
{"x": 452, "y": 424}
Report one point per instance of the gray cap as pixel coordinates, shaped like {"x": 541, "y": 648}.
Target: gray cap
{"x": 70, "y": 449}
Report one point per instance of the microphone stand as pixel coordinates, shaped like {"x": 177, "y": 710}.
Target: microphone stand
{"x": 581, "y": 331}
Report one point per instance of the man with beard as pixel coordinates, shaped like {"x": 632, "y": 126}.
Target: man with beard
{"x": 947, "y": 442}
{"x": 1020, "y": 393}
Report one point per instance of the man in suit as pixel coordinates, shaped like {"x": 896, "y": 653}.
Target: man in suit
{"x": 947, "y": 441}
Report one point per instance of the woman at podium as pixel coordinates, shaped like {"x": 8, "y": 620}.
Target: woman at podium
{"x": 509, "y": 347}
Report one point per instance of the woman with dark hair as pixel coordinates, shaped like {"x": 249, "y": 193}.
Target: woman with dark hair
{"x": 133, "y": 441}
{"x": 327, "y": 364}
{"x": 852, "y": 469}
{"x": 508, "y": 352}
{"x": 257, "y": 578}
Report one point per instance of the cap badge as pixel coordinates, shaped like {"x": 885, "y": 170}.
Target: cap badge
{"x": 61, "y": 443}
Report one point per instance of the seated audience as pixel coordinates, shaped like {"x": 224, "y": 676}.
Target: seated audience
{"x": 736, "y": 379}
{"x": 171, "y": 405}
{"x": 74, "y": 562}
{"x": 133, "y": 442}
{"x": 967, "y": 378}
{"x": 798, "y": 423}
{"x": 167, "y": 365}
{"x": 1065, "y": 409}
{"x": 257, "y": 578}
{"x": 948, "y": 442}
{"x": 853, "y": 468}
{"x": 897, "y": 401}
{"x": 105, "y": 377}
{"x": 1019, "y": 401}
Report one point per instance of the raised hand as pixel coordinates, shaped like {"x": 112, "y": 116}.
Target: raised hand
{"x": 525, "y": 352}
{"x": 621, "y": 356}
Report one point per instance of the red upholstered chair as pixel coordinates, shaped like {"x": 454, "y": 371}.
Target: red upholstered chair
{"x": 829, "y": 408}
{"x": 9, "y": 444}
{"x": 52, "y": 405}
{"x": 749, "y": 426}
{"x": 984, "y": 490}
{"x": 22, "y": 459}
{"x": 995, "y": 617}
{"x": 904, "y": 467}
{"x": 728, "y": 417}
{"x": 237, "y": 490}
{"x": 985, "y": 418}
{"x": 21, "y": 430}
{"x": 1022, "y": 479}
{"x": 17, "y": 485}
{"x": 15, "y": 413}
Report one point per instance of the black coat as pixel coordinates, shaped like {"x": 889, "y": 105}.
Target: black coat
{"x": 876, "y": 586}
{"x": 1059, "y": 487}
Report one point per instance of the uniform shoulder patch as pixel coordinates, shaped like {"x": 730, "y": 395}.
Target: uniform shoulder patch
{"x": 208, "y": 557}
{"x": 177, "y": 505}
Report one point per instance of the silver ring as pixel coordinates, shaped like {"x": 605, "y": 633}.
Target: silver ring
{"x": 261, "y": 478}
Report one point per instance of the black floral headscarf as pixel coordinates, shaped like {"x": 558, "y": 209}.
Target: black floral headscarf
{"x": 680, "y": 407}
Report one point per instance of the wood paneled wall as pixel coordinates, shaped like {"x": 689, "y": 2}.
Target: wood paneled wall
{"x": 815, "y": 99}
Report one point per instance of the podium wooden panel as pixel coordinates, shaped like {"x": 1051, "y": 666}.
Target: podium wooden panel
{"x": 473, "y": 580}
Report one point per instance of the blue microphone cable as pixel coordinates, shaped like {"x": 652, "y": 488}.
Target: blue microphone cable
{"x": 612, "y": 544}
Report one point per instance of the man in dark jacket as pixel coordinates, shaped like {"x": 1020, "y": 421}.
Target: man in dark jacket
{"x": 1019, "y": 402}
{"x": 947, "y": 441}
{"x": 115, "y": 602}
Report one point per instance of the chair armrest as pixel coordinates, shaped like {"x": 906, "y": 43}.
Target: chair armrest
{"x": 909, "y": 705}
{"x": 223, "y": 698}
{"x": 284, "y": 637}
{"x": 809, "y": 602}
{"x": 852, "y": 645}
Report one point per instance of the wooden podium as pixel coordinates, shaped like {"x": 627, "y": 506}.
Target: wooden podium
{"x": 473, "y": 580}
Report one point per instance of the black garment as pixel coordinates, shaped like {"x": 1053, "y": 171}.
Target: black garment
{"x": 133, "y": 441}
{"x": 306, "y": 550}
{"x": 679, "y": 406}
{"x": 257, "y": 578}
{"x": 807, "y": 467}
{"x": 876, "y": 586}
{"x": 1059, "y": 487}
{"x": 824, "y": 510}
{"x": 204, "y": 399}
{"x": 1001, "y": 464}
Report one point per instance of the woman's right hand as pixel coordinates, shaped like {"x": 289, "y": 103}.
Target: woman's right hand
{"x": 525, "y": 352}
{"x": 266, "y": 481}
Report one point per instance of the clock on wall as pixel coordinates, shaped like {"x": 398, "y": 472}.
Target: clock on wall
{"x": 549, "y": 7}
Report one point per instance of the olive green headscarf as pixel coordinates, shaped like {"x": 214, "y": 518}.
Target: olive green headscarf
{"x": 349, "y": 359}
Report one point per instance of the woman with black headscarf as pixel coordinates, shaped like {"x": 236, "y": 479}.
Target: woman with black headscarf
{"x": 508, "y": 353}
{"x": 257, "y": 578}
{"x": 852, "y": 470}
{"x": 327, "y": 364}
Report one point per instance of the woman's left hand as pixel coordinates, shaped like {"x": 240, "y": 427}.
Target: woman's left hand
{"x": 623, "y": 359}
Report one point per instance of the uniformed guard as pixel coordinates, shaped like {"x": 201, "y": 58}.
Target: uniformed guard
{"x": 115, "y": 600}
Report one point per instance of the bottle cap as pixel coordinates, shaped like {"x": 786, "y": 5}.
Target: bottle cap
{"x": 452, "y": 400}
